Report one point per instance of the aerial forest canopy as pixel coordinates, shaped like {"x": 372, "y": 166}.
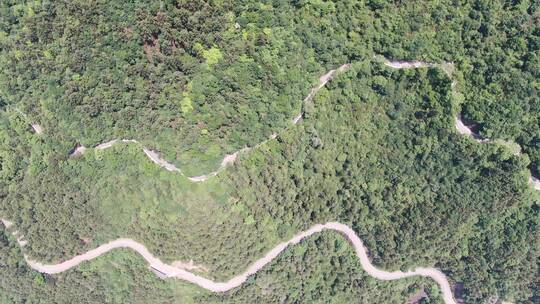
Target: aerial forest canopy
{"x": 376, "y": 148}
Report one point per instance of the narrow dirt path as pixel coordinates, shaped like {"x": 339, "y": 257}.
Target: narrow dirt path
{"x": 535, "y": 182}
{"x": 323, "y": 80}
{"x": 171, "y": 271}
{"x": 462, "y": 128}
{"x": 408, "y": 64}
{"x": 227, "y": 159}
{"x": 106, "y": 145}
{"x": 154, "y": 156}
{"x": 465, "y": 130}
{"x": 37, "y": 128}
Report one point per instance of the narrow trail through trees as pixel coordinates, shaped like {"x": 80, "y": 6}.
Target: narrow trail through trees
{"x": 229, "y": 159}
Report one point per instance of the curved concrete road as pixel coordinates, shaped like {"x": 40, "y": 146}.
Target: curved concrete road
{"x": 535, "y": 182}
{"x": 171, "y": 271}
{"x": 37, "y": 128}
{"x": 464, "y": 130}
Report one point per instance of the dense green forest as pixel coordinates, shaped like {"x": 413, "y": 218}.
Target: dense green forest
{"x": 194, "y": 80}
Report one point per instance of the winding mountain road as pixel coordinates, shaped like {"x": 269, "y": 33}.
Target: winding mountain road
{"x": 175, "y": 272}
